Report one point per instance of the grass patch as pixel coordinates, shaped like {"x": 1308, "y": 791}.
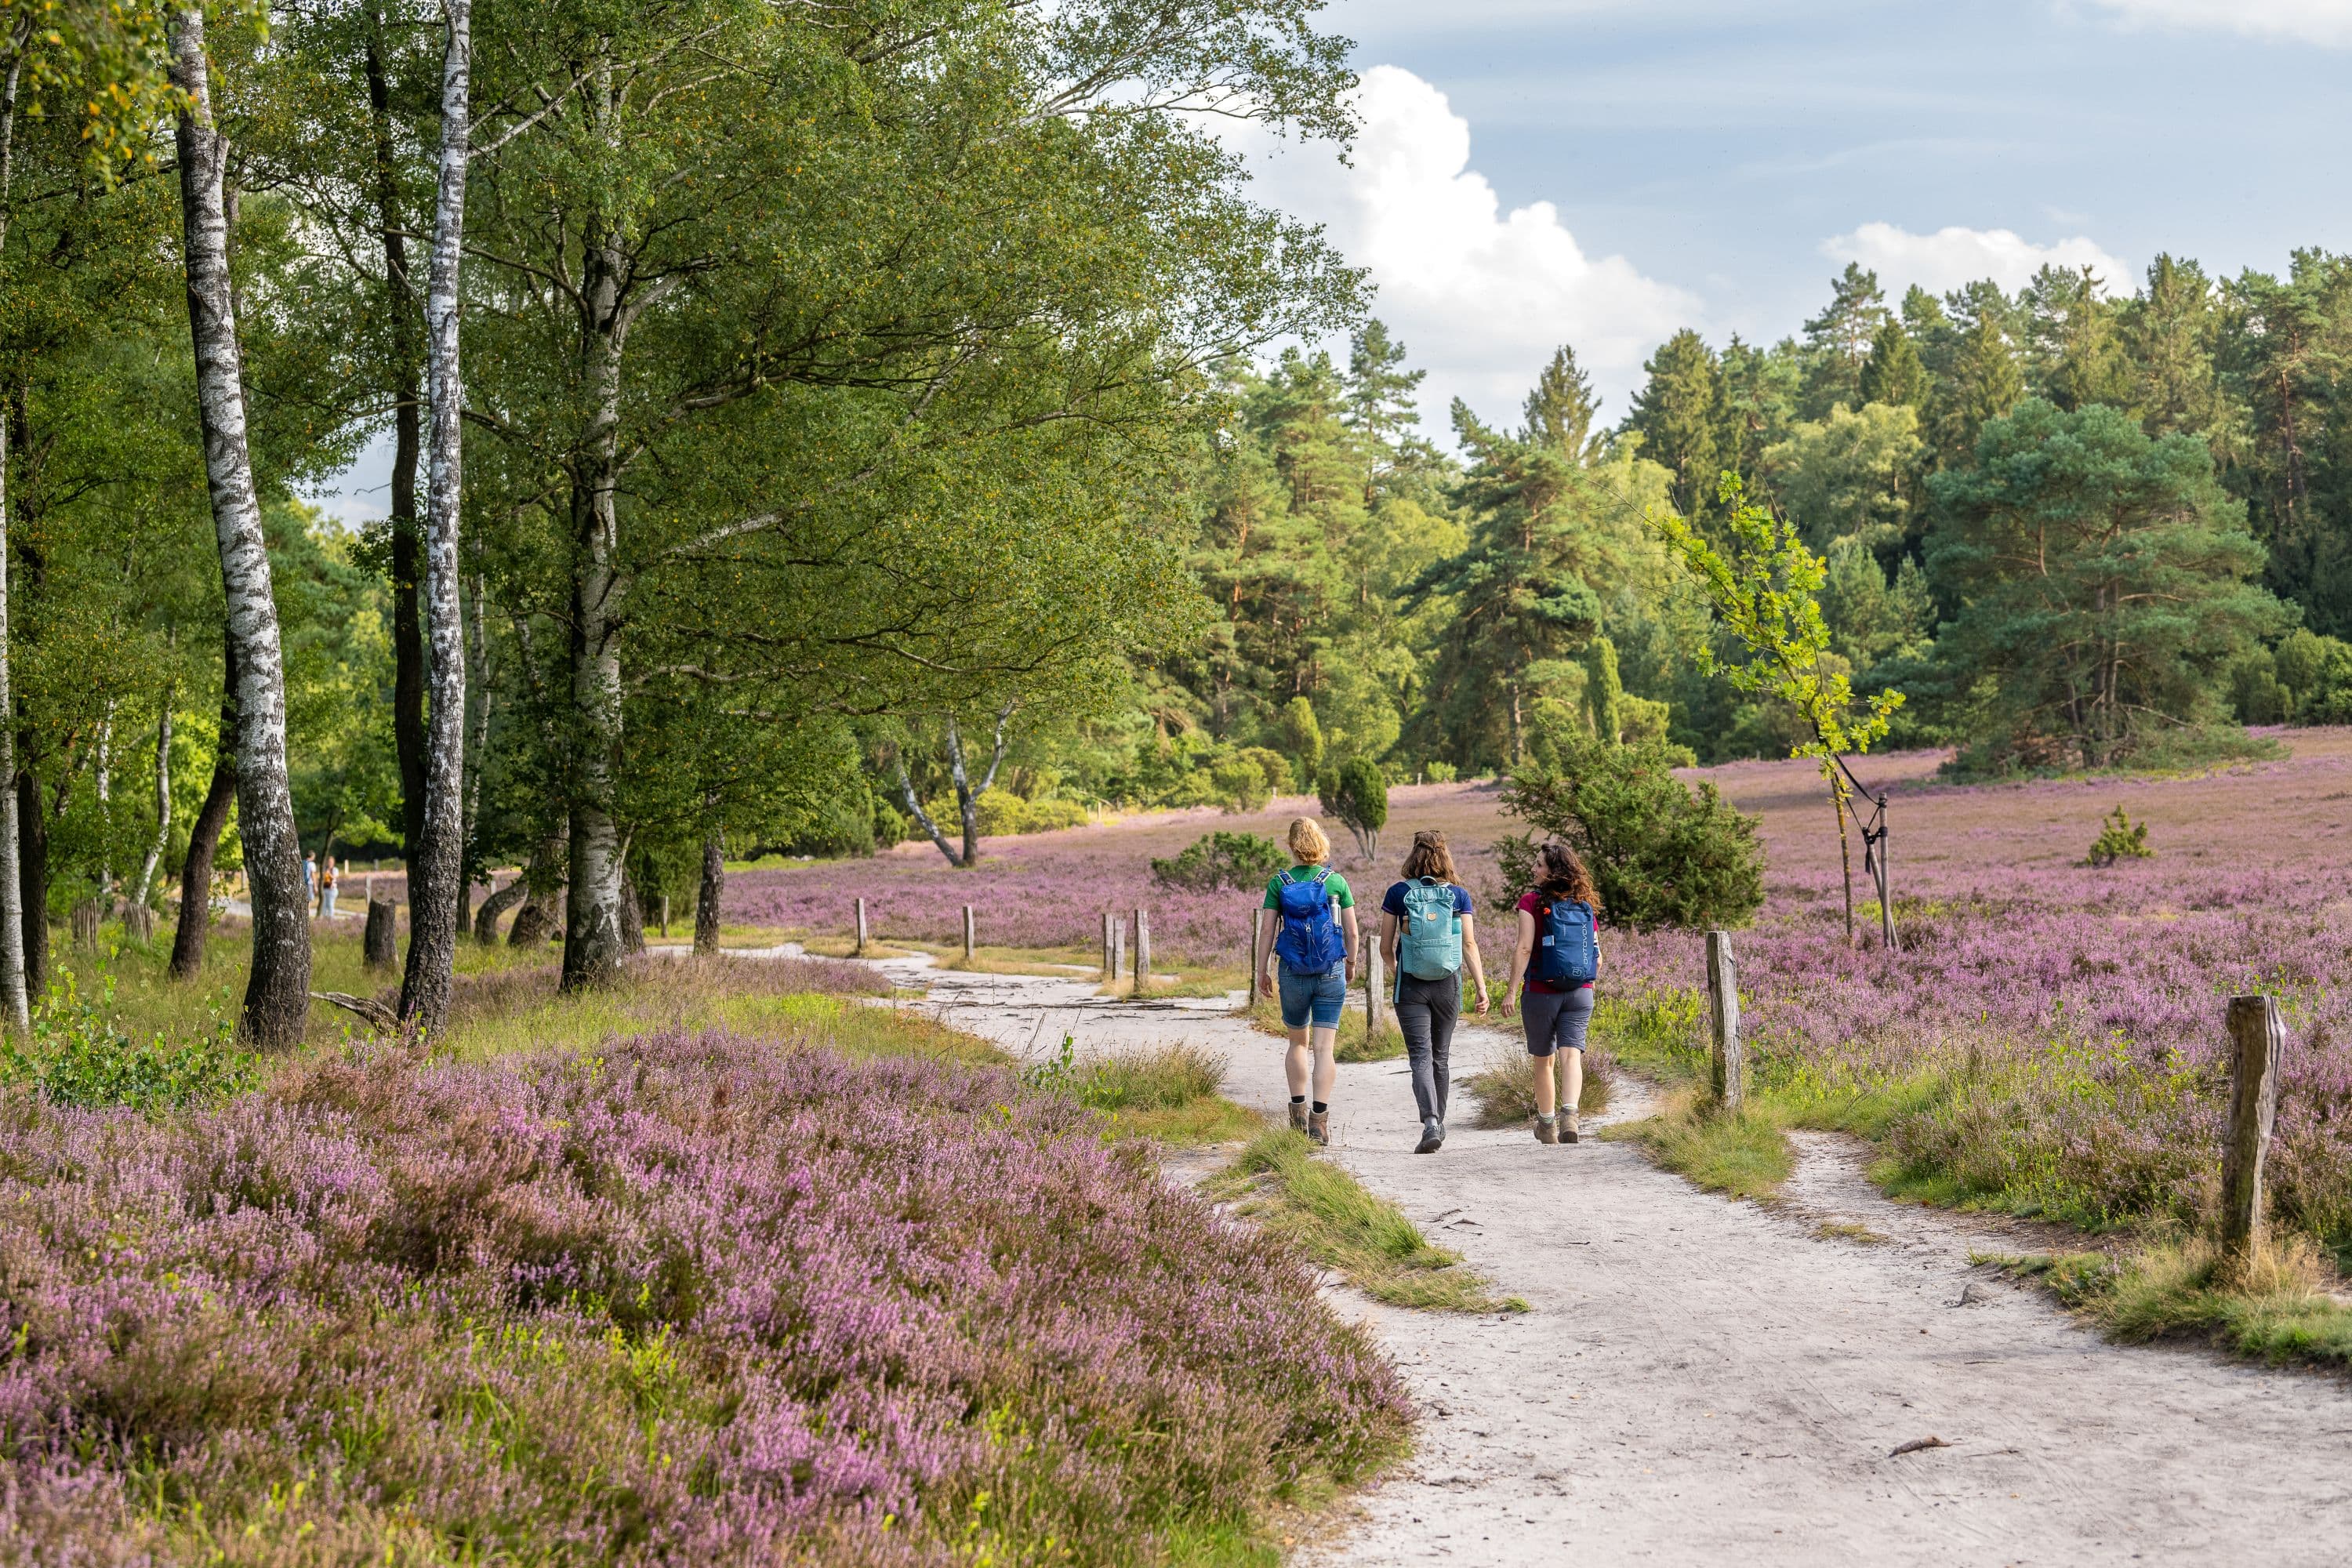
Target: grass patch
{"x": 1744, "y": 1156}
{"x": 1169, "y": 1093}
{"x": 1317, "y": 1206}
{"x": 828, "y": 945}
{"x": 1505, "y": 1086}
{"x": 2273, "y": 1306}
{"x": 1850, "y": 1230}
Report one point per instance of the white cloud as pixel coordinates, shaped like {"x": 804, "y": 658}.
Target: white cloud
{"x": 1951, "y": 256}
{"x": 1479, "y": 296}
{"x": 2311, "y": 21}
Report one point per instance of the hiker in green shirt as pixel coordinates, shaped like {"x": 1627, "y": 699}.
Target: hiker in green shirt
{"x": 1309, "y": 962}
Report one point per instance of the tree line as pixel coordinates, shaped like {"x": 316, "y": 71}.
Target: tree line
{"x": 769, "y": 389}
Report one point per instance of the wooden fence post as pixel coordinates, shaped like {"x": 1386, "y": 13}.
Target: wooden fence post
{"x": 861, "y": 928}
{"x": 1723, "y": 1002}
{"x": 1142, "y": 950}
{"x": 1117, "y": 946}
{"x": 969, "y": 932}
{"x": 2257, "y": 1036}
{"x": 1109, "y": 959}
{"x": 1253, "y": 959}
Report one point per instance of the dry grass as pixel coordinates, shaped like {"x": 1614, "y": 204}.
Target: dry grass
{"x": 1317, "y": 1206}
{"x": 1356, "y": 1043}
{"x": 2275, "y": 1305}
{"x": 1505, "y": 1086}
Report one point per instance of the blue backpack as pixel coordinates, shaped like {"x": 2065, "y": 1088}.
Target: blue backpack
{"x": 1567, "y": 952}
{"x": 1310, "y": 940}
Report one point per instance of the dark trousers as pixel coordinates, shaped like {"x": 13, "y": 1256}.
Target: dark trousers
{"x": 1426, "y": 1010}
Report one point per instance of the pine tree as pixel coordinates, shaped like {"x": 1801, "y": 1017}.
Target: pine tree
{"x": 2167, "y": 333}
{"x": 1559, "y": 410}
{"x": 1381, "y": 391}
{"x": 1894, "y": 373}
{"x": 2077, "y": 359}
{"x": 1761, "y": 390}
{"x": 1983, "y": 383}
{"x": 1677, "y": 415}
{"x": 1838, "y": 342}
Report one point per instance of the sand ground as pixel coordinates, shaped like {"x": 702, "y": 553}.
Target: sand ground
{"x": 1706, "y": 1381}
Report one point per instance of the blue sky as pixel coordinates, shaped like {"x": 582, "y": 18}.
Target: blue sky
{"x": 1601, "y": 172}
{"x": 1697, "y": 162}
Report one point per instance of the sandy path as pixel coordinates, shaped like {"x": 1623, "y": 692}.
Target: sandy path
{"x": 1704, "y": 1382}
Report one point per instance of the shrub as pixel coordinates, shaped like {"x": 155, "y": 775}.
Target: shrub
{"x": 1000, "y": 812}
{"x": 1662, "y": 853}
{"x": 1356, "y": 792}
{"x": 1440, "y": 772}
{"x": 1052, "y": 816}
{"x": 2120, "y": 839}
{"x": 1272, "y": 763}
{"x": 1240, "y": 785}
{"x": 890, "y": 824}
{"x": 79, "y": 1055}
{"x": 1213, "y": 861}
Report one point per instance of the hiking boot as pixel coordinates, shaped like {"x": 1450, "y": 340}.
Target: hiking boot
{"x": 1298, "y": 1115}
{"x": 1433, "y": 1138}
{"x": 1567, "y": 1128}
{"x": 1319, "y": 1126}
{"x": 1546, "y": 1131}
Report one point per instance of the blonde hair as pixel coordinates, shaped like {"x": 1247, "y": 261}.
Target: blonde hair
{"x": 1306, "y": 841}
{"x": 1430, "y": 857}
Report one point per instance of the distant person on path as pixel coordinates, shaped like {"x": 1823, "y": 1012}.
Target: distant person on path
{"x": 327, "y": 889}
{"x": 309, "y": 878}
{"x": 1309, "y": 963}
{"x": 1426, "y": 935}
{"x": 1557, "y": 960}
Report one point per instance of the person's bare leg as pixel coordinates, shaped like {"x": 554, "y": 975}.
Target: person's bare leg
{"x": 1327, "y": 1063}
{"x": 1296, "y": 1062}
{"x": 1545, "y": 1101}
{"x": 1571, "y": 1091}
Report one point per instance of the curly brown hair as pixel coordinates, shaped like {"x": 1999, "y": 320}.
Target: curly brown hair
{"x": 1564, "y": 876}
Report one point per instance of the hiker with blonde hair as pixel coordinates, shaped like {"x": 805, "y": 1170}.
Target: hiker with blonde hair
{"x": 1426, "y": 937}
{"x": 1306, "y": 929}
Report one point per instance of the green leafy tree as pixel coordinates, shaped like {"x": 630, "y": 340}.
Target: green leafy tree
{"x": 1679, "y": 414}
{"x": 1850, "y": 476}
{"x": 1765, "y": 588}
{"x": 1662, "y": 852}
{"x": 2105, "y": 586}
{"x": 1357, "y": 793}
{"x": 1983, "y": 383}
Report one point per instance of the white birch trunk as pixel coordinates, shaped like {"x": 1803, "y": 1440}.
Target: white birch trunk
{"x": 436, "y": 899}
{"x": 13, "y": 998}
{"x": 162, "y": 840}
{"x": 277, "y": 996}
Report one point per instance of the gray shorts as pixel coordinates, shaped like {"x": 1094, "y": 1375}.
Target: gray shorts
{"x": 1556, "y": 1020}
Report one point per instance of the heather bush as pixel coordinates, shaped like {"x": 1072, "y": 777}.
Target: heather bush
{"x": 685, "y": 1299}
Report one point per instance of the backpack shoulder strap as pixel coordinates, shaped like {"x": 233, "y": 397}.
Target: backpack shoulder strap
{"x": 1322, "y": 874}
{"x": 1283, "y": 877}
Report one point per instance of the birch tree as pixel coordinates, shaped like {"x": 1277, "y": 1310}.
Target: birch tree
{"x": 277, "y": 996}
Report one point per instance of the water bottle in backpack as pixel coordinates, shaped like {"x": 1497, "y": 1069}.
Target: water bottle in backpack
{"x": 1567, "y": 953}
{"x": 1309, "y": 941}
{"x": 1429, "y": 947}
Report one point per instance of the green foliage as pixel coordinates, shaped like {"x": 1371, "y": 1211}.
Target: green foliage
{"x": 2120, "y": 839}
{"x": 1660, "y": 853}
{"x": 1852, "y": 475}
{"x": 1241, "y": 785}
{"x": 1302, "y": 737}
{"x": 79, "y": 1055}
{"x": 1679, "y": 413}
{"x": 2103, "y": 581}
{"x": 1356, "y": 792}
{"x": 1241, "y": 860}
{"x": 2315, "y": 672}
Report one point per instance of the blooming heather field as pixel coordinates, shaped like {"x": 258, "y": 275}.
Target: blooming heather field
{"x": 2048, "y": 1036}
{"x": 695, "y": 1301}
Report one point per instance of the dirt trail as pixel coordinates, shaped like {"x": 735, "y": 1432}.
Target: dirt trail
{"x": 1704, "y": 1382}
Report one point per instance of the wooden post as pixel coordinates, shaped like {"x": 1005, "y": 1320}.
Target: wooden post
{"x": 861, "y": 927}
{"x": 1118, "y": 945}
{"x": 967, "y": 933}
{"x": 1723, "y": 1000}
{"x": 2257, "y": 1036}
{"x": 379, "y": 943}
{"x": 1253, "y": 959}
{"x": 665, "y": 915}
{"x": 1142, "y": 950}
{"x": 1373, "y": 990}
{"x": 1109, "y": 948}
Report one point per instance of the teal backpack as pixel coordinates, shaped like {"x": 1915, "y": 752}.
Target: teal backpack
{"x": 1429, "y": 946}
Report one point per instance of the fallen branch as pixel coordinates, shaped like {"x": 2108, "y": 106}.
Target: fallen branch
{"x": 368, "y": 1007}
{"x": 1915, "y": 1445}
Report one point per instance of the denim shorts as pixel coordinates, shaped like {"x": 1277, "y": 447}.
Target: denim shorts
{"x": 1318, "y": 998}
